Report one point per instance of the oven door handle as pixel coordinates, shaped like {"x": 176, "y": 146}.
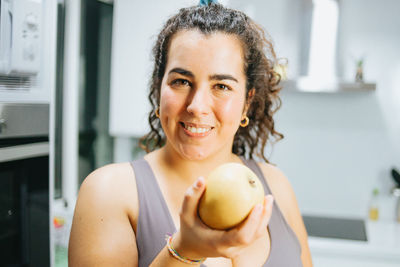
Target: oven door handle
{"x": 24, "y": 151}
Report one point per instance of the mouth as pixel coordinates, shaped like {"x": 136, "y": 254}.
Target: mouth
{"x": 196, "y": 129}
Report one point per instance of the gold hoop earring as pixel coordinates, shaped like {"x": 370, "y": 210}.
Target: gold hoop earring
{"x": 244, "y": 122}
{"x": 157, "y": 112}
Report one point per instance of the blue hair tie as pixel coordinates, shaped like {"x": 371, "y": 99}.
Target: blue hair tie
{"x": 207, "y": 2}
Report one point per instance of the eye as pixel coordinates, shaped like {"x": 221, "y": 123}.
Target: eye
{"x": 180, "y": 82}
{"x": 222, "y": 87}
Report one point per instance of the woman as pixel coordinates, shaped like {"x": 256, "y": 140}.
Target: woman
{"x": 213, "y": 92}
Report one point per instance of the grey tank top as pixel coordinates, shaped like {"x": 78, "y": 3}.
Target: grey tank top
{"x": 155, "y": 221}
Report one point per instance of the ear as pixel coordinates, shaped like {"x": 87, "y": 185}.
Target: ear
{"x": 249, "y": 98}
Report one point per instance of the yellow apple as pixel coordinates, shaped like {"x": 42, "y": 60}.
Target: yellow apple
{"x": 231, "y": 192}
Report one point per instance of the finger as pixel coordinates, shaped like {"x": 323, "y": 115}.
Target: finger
{"x": 266, "y": 215}
{"x": 191, "y": 199}
{"x": 245, "y": 231}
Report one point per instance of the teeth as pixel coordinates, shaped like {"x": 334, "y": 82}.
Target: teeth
{"x": 197, "y": 130}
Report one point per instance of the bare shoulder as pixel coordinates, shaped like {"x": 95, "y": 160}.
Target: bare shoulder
{"x": 102, "y": 231}
{"x": 116, "y": 172}
{"x": 115, "y": 185}
{"x": 117, "y": 178}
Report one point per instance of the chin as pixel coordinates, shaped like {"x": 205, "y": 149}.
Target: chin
{"x": 194, "y": 154}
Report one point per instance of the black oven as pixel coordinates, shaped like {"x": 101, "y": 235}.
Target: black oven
{"x": 24, "y": 185}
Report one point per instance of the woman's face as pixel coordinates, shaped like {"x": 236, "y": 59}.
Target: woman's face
{"x": 202, "y": 93}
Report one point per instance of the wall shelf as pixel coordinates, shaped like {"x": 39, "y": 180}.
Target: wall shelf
{"x": 309, "y": 85}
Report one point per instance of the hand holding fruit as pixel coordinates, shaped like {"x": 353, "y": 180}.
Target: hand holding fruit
{"x": 196, "y": 240}
{"x": 232, "y": 191}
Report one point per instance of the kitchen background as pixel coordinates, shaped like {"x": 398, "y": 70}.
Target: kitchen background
{"x": 342, "y": 137}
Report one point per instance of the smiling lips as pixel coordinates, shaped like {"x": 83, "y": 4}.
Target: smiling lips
{"x": 196, "y": 130}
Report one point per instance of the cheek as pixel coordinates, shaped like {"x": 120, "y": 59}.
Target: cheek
{"x": 170, "y": 103}
{"x": 231, "y": 111}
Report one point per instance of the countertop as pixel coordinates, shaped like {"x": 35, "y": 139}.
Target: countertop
{"x": 383, "y": 243}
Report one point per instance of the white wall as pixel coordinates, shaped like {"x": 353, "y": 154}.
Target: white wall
{"x": 373, "y": 31}
{"x": 339, "y": 146}
{"x": 283, "y": 21}
{"x": 336, "y": 149}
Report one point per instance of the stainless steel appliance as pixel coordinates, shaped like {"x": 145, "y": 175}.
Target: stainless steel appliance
{"x": 24, "y": 185}
{"x": 330, "y": 227}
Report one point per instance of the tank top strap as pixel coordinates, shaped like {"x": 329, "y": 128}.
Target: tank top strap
{"x": 154, "y": 220}
{"x": 285, "y": 247}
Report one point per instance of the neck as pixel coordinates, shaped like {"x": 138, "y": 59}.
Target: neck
{"x": 190, "y": 170}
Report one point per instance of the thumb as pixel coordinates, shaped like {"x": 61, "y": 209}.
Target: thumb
{"x": 191, "y": 199}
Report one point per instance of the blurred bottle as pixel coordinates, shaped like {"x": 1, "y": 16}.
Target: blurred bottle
{"x": 396, "y": 193}
{"x": 373, "y": 206}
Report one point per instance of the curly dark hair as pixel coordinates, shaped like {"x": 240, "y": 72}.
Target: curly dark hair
{"x": 259, "y": 60}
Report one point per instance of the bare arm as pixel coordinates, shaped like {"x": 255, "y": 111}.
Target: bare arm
{"x": 101, "y": 233}
{"x": 286, "y": 199}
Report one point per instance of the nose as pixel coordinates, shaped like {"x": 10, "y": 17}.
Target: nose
{"x": 199, "y": 101}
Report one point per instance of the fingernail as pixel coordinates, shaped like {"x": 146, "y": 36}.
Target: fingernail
{"x": 270, "y": 200}
{"x": 199, "y": 182}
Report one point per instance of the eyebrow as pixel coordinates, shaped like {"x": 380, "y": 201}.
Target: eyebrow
{"x": 218, "y": 77}
{"x": 182, "y": 71}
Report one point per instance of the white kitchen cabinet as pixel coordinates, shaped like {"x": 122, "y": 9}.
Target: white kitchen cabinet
{"x": 135, "y": 28}
{"x": 330, "y": 261}
{"x": 381, "y": 250}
